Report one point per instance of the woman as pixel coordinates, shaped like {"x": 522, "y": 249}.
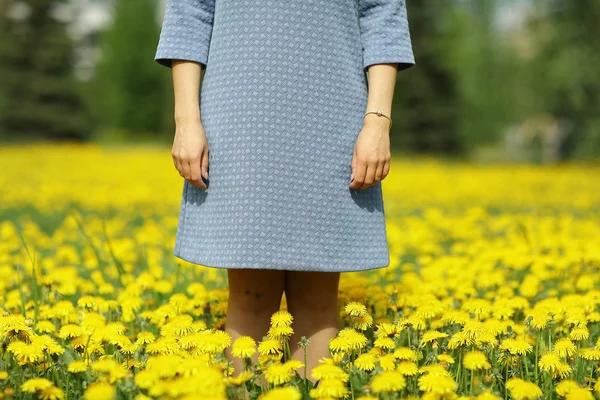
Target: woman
{"x": 295, "y": 134}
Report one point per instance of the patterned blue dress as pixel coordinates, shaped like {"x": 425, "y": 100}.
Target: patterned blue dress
{"x": 282, "y": 103}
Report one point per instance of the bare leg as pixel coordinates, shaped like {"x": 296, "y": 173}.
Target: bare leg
{"x": 312, "y": 301}
{"x": 254, "y": 295}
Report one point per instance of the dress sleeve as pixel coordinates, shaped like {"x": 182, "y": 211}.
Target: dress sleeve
{"x": 186, "y": 31}
{"x": 385, "y": 33}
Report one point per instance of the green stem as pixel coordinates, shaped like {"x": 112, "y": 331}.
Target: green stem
{"x": 471, "y": 386}
{"x": 537, "y": 351}
{"x": 505, "y": 380}
{"x": 305, "y": 368}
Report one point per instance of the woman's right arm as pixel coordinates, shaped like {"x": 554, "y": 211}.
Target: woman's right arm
{"x": 184, "y": 46}
{"x": 190, "y": 147}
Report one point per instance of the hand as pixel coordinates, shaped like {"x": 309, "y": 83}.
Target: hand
{"x": 371, "y": 157}
{"x": 190, "y": 153}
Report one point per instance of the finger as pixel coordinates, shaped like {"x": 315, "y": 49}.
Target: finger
{"x": 359, "y": 174}
{"x": 386, "y": 169}
{"x": 369, "y": 176}
{"x": 185, "y": 168}
{"x": 353, "y": 164}
{"x": 177, "y": 163}
{"x": 204, "y": 164}
{"x": 379, "y": 171}
{"x": 195, "y": 175}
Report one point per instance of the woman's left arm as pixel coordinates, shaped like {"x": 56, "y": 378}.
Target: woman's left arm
{"x": 371, "y": 158}
{"x": 387, "y": 48}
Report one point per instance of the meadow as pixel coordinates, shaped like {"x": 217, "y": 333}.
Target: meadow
{"x": 492, "y": 291}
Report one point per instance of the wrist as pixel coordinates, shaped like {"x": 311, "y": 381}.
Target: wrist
{"x": 187, "y": 118}
{"x": 377, "y": 122}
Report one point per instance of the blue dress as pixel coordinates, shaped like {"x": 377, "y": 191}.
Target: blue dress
{"x": 282, "y": 102}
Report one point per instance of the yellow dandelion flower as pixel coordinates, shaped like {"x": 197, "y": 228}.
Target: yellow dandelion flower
{"x": 520, "y": 389}
{"x": 452, "y": 317}
{"x": 564, "y": 347}
{"x": 539, "y": 319}
{"x": 579, "y": 394}
{"x": 459, "y": 339}
{"x": 434, "y": 369}
{"x": 112, "y": 371}
{"x": 365, "y": 362}
{"x": 355, "y": 309}
{"x": 438, "y": 384}
{"x": 362, "y": 322}
{"x": 45, "y": 327}
{"x": 589, "y": 354}
{"x": 330, "y": 388}
{"x": 100, "y": 391}
{"x": 47, "y": 344}
{"x": 487, "y": 395}
{"x": 51, "y": 393}
{"x": 579, "y": 333}
{"x": 163, "y": 345}
{"x": 387, "y": 362}
{"x": 36, "y": 384}
{"x": 407, "y": 368}
{"x": 270, "y": 346}
{"x": 26, "y": 353}
{"x": 244, "y": 346}
{"x": 278, "y": 374}
{"x": 429, "y": 308}
{"x": 432, "y": 336}
{"x": 180, "y": 325}
{"x": 502, "y": 309}
{"x": 279, "y": 332}
{"x": 71, "y": 331}
{"x": 414, "y": 321}
{"x": 281, "y": 318}
{"x": 564, "y": 387}
{"x": 384, "y": 343}
{"x": 473, "y": 328}
{"x": 445, "y": 357}
{"x": 3, "y": 375}
{"x": 240, "y": 379}
{"x": 77, "y": 367}
{"x": 476, "y": 360}
{"x": 347, "y": 340}
{"x": 15, "y": 326}
{"x": 516, "y": 346}
{"x": 552, "y": 364}
{"x": 293, "y": 365}
{"x": 388, "y": 381}
{"x": 406, "y": 353}
{"x": 329, "y": 371}
{"x": 284, "y": 393}
{"x": 386, "y": 329}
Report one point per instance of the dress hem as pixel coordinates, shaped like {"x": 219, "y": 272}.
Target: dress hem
{"x": 284, "y": 268}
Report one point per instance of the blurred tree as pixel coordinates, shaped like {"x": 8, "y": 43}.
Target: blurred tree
{"x": 132, "y": 89}
{"x": 39, "y": 95}
{"x": 564, "y": 70}
{"x": 425, "y": 100}
{"x": 486, "y": 68}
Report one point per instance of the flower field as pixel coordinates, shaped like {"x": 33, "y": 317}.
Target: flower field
{"x": 492, "y": 293}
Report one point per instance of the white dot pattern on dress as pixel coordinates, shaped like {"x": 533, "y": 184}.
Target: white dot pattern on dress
{"x": 282, "y": 102}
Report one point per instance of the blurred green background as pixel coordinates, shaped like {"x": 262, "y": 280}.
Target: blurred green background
{"x": 496, "y": 80}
